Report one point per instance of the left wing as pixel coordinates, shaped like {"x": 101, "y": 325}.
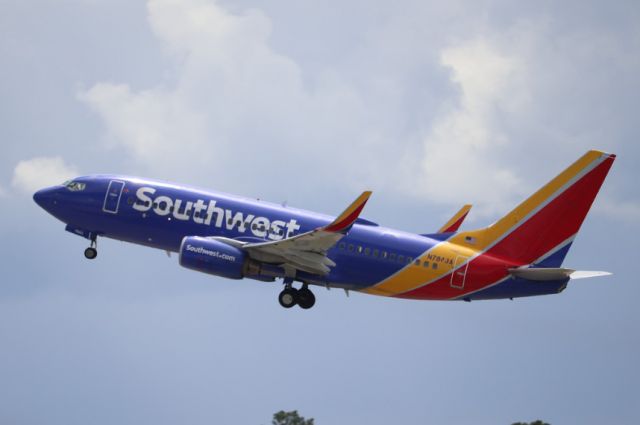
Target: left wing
{"x": 307, "y": 251}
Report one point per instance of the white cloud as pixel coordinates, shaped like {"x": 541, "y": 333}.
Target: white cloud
{"x": 154, "y": 127}
{"x": 228, "y": 83}
{"x": 233, "y": 107}
{"x": 35, "y": 173}
{"x": 460, "y": 158}
{"x": 237, "y": 107}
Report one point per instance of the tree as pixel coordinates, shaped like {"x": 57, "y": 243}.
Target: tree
{"x": 538, "y": 422}
{"x": 290, "y": 418}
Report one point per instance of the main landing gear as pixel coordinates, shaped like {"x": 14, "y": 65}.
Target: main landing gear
{"x": 291, "y": 296}
{"x": 92, "y": 252}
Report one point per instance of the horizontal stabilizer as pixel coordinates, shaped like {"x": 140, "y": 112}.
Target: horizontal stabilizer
{"x": 546, "y": 274}
{"x": 583, "y": 274}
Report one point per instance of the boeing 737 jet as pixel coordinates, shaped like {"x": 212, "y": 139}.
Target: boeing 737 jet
{"x": 519, "y": 255}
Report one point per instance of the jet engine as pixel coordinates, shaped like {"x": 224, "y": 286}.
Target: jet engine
{"x": 213, "y": 257}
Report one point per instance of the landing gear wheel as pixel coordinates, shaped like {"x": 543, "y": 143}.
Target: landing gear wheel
{"x": 288, "y": 297}
{"x": 90, "y": 253}
{"x": 306, "y": 299}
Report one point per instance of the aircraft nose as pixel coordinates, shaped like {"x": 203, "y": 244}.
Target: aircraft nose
{"x": 45, "y": 197}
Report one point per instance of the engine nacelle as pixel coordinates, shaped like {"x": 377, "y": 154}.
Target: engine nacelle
{"x": 212, "y": 257}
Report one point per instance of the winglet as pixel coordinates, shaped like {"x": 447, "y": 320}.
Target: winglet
{"x": 345, "y": 220}
{"x": 454, "y": 223}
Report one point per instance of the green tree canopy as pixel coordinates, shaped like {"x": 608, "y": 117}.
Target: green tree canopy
{"x": 290, "y": 418}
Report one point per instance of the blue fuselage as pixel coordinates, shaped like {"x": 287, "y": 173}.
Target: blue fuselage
{"x": 160, "y": 215}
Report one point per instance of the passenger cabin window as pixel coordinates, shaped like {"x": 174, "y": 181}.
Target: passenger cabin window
{"x": 434, "y": 266}
{"x": 342, "y": 245}
{"x": 426, "y": 264}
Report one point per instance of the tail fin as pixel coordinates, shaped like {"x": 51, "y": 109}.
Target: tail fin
{"x": 540, "y": 230}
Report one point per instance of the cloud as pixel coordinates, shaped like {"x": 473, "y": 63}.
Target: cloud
{"x": 229, "y": 88}
{"x": 35, "y": 173}
{"x": 233, "y": 106}
{"x": 154, "y": 127}
{"x": 460, "y": 158}
{"x": 469, "y": 117}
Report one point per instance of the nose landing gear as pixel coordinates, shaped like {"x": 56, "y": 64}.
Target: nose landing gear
{"x": 92, "y": 252}
{"x": 291, "y": 296}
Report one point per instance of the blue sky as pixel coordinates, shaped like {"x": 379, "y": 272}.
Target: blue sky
{"x": 429, "y": 105}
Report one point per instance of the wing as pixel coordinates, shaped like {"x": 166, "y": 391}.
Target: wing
{"x": 308, "y": 251}
{"x": 454, "y": 223}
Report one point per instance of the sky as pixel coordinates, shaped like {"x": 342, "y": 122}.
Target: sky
{"x": 429, "y": 104}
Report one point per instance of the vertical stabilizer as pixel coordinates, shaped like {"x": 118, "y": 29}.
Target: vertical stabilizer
{"x": 540, "y": 230}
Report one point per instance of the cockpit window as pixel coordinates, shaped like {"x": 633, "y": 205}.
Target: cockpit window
{"x": 74, "y": 186}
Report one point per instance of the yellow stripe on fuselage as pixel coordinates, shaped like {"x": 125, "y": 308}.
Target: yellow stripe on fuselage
{"x": 473, "y": 242}
{"x": 413, "y": 275}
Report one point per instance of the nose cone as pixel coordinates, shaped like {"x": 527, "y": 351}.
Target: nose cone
{"x": 45, "y": 198}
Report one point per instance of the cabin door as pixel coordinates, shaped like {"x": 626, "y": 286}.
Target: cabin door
{"x": 459, "y": 273}
{"x": 112, "y": 198}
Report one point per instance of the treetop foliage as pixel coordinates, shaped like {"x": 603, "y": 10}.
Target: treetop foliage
{"x": 290, "y": 418}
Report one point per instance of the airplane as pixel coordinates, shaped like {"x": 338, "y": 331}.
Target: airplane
{"x": 519, "y": 255}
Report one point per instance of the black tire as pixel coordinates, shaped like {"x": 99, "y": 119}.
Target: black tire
{"x": 288, "y": 297}
{"x": 306, "y": 299}
{"x": 90, "y": 253}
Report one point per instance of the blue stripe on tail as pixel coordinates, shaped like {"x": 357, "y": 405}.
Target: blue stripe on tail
{"x": 555, "y": 259}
